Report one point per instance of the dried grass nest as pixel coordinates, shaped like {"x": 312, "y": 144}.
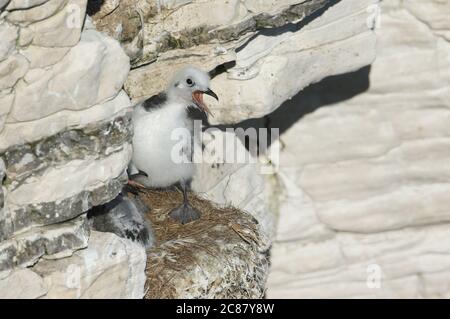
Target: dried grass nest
{"x": 221, "y": 255}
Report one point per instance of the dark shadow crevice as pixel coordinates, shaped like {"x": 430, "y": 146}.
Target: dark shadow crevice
{"x": 94, "y": 6}
{"x": 329, "y": 91}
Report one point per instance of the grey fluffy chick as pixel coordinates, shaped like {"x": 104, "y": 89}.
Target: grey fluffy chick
{"x": 124, "y": 217}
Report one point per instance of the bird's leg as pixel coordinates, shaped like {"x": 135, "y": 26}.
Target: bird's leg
{"x": 185, "y": 213}
{"x": 133, "y": 186}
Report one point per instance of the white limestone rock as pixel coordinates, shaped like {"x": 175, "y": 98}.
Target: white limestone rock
{"x": 111, "y": 267}
{"x": 59, "y": 30}
{"x": 272, "y": 64}
{"x": 45, "y": 92}
{"x": 11, "y": 70}
{"x": 407, "y": 263}
{"x": 6, "y": 102}
{"x": 3, "y": 3}
{"x": 270, "y": 70}
{"x": 383, "y": 145}
{"x": 22, "y": 284}
{"x": 62, "y": 201}
{"x": 38, "y": 13}
{"x": 365, "y": 179}
{"x": 224, "y": 181}
{"x": 107, "y": 7}
{"x": 28, "y": 132}
{"x": 23, "y": 4}
{"x": 8, "y": 34}
{"x": 42, "y": 57}
{"x": 2, "y": 195}
{"x": 64, "y": 128}
{"x": 202, "y": 13}
{"x": 53, "y": 242}
{"x": 200, "y": 32}
{"x": 79, "y": 175}
{"x": 2, "y": 169}
{"x": 148, "y": 80}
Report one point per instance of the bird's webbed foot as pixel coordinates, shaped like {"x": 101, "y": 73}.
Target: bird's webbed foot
{"x": 185, "y": 214}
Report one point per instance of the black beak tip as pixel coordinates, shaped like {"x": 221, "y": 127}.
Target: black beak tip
{"x": 211, "y": 93}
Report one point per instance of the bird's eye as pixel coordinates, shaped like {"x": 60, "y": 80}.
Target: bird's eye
{"x": 189, "y": 82}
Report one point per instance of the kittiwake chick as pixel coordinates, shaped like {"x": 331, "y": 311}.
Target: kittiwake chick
{"x": 158, "y": 123}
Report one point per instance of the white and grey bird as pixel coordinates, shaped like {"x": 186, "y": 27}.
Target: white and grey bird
{"x": 155, "y": 120}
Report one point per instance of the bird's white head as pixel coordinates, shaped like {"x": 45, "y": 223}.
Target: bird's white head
{"x": 188, "y": 86}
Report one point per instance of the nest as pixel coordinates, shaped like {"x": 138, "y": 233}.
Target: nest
{"x": 221, "y": 255}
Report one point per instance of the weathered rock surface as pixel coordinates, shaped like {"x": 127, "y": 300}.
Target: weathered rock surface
{"x": 65, "y": 133}
{"x": 31, "y": 132}
{"x": 408, "y": 263}
{"x": 255, "y": 46}
{"x": 22, "y": 283}
{"x": 364, "y": 206}
{"x": 8, "y": 34}
{"x": 2, "y": 195}
{"x": 271, "y": 69}
{"x": 90, "y": 82}
{"x": 219, "y": 177}
{"x": 251, "y": 49}
{"x": 23, "y": 4}
{"x": 111, "y": 267}
{"x": 54, "y": 241}
{"x": 361, "y": 190}
{"x": 61, "y": 29}
{"x": 3, "y": 3}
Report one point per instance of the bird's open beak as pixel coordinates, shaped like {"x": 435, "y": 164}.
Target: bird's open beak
{"x": 197, "y": 97}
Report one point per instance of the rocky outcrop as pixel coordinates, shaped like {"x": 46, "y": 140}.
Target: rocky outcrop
{"x": 364, "y": 205}
{"x": 111, "y": 267}
{"x": 65, "y": 136}
{"x": 55, "y": 241}
{"x": 22, "y": 283}
{"x": 243, "y": 184}
{"x": 260, "y": 54}
{"x": 251, "y": 46}
{"x": 276, "y": 65}
{"x": 252, "y": 185}
{"x": 125, "y": 217}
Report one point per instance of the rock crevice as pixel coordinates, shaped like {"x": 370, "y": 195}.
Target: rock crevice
{"x": 65, "y": 142}
{"x": 65, "y": 130}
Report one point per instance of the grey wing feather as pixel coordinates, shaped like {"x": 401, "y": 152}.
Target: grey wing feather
{"x": 125, "y": 217}
{"x": 155, "y": 102}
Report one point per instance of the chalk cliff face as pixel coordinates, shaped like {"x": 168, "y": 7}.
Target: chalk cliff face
{"x": 65, "y": 125}
{"x": 260, "y": 54}
{"x": 364, "y": 206}
{"x": 282, "y": 63}
{"x": 64, "y": 146}
{"x": 356, "y": 203}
